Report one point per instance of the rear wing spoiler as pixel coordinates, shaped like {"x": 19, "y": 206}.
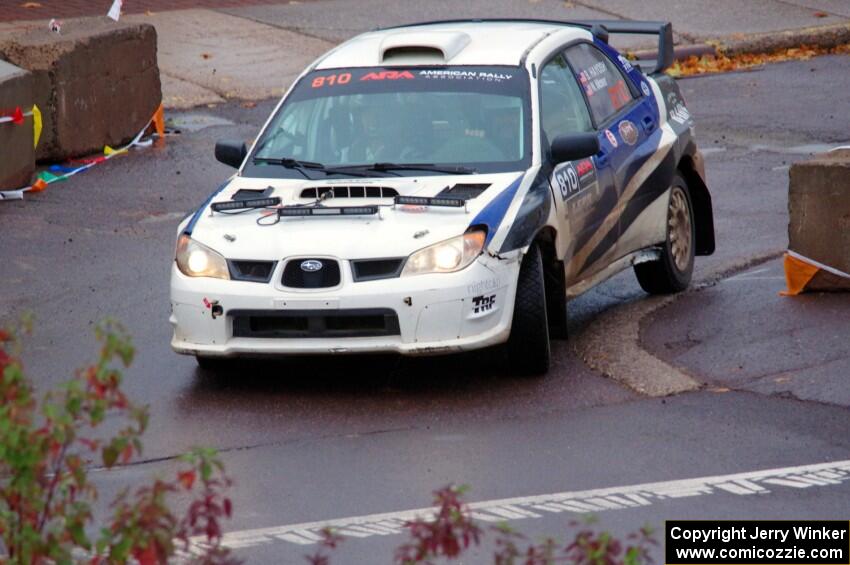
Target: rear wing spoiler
{"x": 599, "y": 28}
{"x": 664, "y": 30}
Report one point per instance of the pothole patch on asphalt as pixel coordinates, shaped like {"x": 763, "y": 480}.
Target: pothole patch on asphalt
{"x": 192, "y": 122}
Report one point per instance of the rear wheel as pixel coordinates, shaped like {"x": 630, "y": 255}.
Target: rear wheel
{"x": 672, "y": 272}
{"x": 528, "y": 345}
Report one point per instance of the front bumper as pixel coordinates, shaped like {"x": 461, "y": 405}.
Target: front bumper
{"x": 439, "y": 313}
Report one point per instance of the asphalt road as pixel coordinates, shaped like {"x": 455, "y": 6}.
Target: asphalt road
{"x": 323, "y": 439}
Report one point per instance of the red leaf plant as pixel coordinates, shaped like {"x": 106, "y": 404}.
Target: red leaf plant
{"x": 48, "y": 444}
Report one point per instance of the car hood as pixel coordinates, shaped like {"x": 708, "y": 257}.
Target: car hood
{"x": 395, "y": 232}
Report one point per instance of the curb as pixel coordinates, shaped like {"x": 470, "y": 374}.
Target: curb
{"x": 825, "y": 36}
{"x": 821, "y": 36}
{"x": 612, "y": 343}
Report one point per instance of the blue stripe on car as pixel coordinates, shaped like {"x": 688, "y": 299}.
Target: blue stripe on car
{"x": 493, "y": 214}
{"x": 197, "y": 216}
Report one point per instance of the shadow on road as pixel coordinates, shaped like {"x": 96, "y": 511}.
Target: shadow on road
{"x": 358, "y": 375}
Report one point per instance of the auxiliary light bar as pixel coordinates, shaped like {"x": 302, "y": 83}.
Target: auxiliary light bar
{"x": 243, "y": 204}
{"x": 429, "y": 201}
{"x": 328, "y": 211}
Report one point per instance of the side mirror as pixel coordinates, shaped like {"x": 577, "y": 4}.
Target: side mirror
{"x": 575, "y": 146}
{"x": 230, "y": 152}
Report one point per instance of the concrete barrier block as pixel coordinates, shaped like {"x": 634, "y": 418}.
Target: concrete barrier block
{"x": 819, "y": 209}
{"x": 97, "y": 82}
{"x": 17, "y": 159}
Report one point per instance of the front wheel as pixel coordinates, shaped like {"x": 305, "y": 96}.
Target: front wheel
{"x": 528, "y": 345}
{"x": 672, "y": 271}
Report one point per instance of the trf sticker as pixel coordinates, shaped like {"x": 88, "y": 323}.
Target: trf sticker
{"x": 482, "y": 304}
{"x": 612, "y": 139}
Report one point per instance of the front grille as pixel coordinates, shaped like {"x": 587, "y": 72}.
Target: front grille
{"x": 252, "y": 271}
{"x": 368, "y": 322}
{"x": 294, "y": 276}
{"x": 374, "y": 269}
{"x": 349, "y": 192}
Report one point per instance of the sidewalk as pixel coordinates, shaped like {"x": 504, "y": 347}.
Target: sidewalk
{"x": 22, "y": 10}
{"x": 740, "y": 334}
{"x": 252, "y": 49}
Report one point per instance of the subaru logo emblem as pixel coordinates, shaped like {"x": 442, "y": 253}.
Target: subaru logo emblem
{"x": 311, "y": 266}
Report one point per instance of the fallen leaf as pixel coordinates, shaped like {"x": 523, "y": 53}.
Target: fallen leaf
{"x": 721, "y": 63}
{"x": 206, "y": 56}
{"x": 820, "y": 15}
{"x": 30, "y": 5}
{"x": 719, "y": 389}
{"x": 249, "y": 104}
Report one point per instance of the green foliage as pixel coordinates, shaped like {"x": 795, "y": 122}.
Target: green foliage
{"x": 451, "y": 531}
{"x": 47, "y": 445}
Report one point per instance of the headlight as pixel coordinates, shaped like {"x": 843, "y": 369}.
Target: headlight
{"x": 197, "y": 260}
{"x": 447, "y": 256}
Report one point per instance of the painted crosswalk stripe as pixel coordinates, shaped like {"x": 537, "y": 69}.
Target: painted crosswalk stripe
{"x": 578, "y": 502}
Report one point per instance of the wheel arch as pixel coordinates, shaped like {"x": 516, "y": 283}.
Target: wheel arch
{"x": 691, "y": 167}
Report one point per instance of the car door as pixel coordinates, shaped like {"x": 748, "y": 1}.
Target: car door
{"x": 581, "y": 191}
{"x": 624, "y": 120}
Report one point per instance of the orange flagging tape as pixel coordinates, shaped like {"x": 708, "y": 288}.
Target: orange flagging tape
{"x": 38, "y": 185}
{"x": 797, "y": 275}
{"x": 159, "y": 121}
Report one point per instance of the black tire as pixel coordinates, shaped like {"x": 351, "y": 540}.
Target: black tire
{"x": 556, "y": 300}
{"x": 672, "y": 272}
{"x": 528, "y": 345}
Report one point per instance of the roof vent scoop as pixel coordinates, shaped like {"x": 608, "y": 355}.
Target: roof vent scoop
{"x": 422, "y": 47}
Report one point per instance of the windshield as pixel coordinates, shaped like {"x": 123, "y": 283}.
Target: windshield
{"x": 472, "y": 117}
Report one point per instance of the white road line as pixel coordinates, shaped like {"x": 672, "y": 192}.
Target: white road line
{"x": 534, "y": 507}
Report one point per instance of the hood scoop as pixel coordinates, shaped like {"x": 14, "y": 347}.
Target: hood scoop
{"x": 464, "y": 191}
{"x": 422, "y": 46}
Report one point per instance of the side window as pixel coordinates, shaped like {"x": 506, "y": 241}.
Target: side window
{"x": 603, "y": 83}
{"x": 562, "y": 107}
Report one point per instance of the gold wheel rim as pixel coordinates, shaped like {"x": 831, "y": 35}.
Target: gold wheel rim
{"x": 679, "y": 229}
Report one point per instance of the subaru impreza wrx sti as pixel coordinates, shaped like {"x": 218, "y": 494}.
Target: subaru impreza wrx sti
{"x": 443, "y": 187}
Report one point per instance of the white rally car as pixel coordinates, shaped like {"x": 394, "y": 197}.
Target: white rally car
{"x": 443, "y": 187}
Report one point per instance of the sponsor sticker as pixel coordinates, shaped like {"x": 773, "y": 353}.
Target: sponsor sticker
{"x": 388, "y": 75}
{"x": 612, "y": 139}
{"x": 483, "y": 303}
{"x": 628, "y": 132}
{"x": 676, "y": 110}
{"x": 625, "y": 62}
{"x": 482, "y": 286}
{"x": 619, "y": 95}
{"x": 644, "y": 87}
{"x": 448, "y": 74}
